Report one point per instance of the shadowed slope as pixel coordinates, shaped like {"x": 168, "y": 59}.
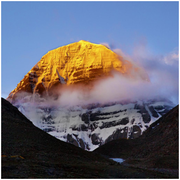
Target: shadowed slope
{"x": 30, "y": 152}
{"x": 156, "y": 148}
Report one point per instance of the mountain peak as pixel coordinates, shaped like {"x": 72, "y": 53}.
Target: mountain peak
{"x": 83, "y": 41}
{"x": 79, "y": 62}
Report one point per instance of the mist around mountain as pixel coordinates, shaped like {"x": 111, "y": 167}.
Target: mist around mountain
{"x": 77, "y": 63}
{"x": 111, "y": 75}
{"x": 28, "y": 152}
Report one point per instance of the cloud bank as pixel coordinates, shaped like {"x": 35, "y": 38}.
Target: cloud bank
{"x": 163, "y": 73}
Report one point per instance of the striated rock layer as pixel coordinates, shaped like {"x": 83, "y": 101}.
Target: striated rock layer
{"x": 79, "y": 62}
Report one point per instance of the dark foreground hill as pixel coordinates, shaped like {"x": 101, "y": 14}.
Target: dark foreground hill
{"x": 28, "y": 152}
{"x": 156, "y": 148}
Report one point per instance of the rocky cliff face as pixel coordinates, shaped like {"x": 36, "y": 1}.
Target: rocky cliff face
{"x": 79, "y": 62}
{"x": 96, "y": 125}
{"x": 93, "y": 125}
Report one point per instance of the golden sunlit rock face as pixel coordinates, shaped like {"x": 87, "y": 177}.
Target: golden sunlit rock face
{"x": 79, "y": 62}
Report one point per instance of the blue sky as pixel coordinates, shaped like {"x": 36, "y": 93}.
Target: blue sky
{"x": 31, "y": 29}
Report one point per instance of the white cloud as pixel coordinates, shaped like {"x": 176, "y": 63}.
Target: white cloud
{"x": 172, "y": 57}
{"x": 106, "y": 45}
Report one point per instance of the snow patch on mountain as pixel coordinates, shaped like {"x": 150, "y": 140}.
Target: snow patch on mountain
{"x": 93, "y": 125}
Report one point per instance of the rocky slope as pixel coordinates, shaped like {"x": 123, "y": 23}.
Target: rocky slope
{"x": 28, "y": 152}
{"x": 79, "y": 62}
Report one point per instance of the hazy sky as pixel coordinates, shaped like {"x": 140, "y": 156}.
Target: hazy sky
{"x": 142, "y": 30}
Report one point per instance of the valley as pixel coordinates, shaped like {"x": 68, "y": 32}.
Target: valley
{"x": 28, "y": 152}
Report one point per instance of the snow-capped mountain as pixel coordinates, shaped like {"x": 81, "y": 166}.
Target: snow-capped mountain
{"x": 93, "y": 125}
{"x": 97, "y": 81}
